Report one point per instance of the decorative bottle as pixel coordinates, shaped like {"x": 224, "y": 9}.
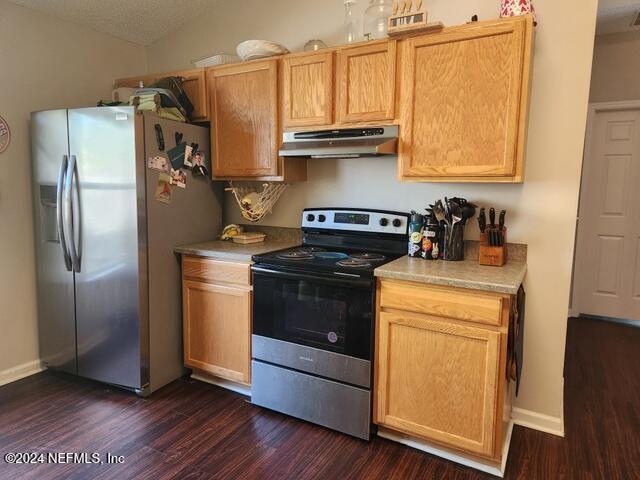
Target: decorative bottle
{"x": 376, "y": 19}
{"x": 512, "y": 8}
{"x": 350, "y": 24}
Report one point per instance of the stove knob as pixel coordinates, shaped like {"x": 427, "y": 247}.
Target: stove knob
{"x": 397, "y": 222}
{"x": 321, "y": 218}
{"x": 384, "y": 222}
{"x": 311, "y": 217}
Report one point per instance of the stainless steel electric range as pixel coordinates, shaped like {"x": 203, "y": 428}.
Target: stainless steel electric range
{"x": 313, "y": 317}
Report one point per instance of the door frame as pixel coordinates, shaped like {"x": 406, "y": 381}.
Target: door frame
{"x": 594, "y": 109}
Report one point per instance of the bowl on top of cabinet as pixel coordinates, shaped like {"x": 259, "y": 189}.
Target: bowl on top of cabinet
{"x": 255, "y": 49}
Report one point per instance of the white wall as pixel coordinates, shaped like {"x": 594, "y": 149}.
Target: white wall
{"x": 616, "y": 67}
{"x": 541, "y": 212}
{"x": 44, "y": 63}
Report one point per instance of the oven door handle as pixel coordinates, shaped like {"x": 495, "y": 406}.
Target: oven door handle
{"x": 347, "y": 281}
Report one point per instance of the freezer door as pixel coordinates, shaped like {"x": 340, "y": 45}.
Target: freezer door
{"x": 56, "y": 317}
{"x": 106, "y": 245}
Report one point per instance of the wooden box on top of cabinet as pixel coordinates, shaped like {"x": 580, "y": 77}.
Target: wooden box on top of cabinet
{"x": 464, "y": 96}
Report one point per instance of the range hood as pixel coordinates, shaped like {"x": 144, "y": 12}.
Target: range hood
{"x": 343, "y": 143}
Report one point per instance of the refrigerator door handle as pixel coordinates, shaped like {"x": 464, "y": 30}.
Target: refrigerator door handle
{"x": 71, "y": 193}
{"x": 60, "y": 213}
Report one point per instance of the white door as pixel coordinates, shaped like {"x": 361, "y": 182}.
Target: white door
{"x": 607, "y": 276}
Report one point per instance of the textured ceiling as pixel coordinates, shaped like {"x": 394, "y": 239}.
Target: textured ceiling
{"x": 139, "y": 21}
{"x": 145, "y": 21}
{"x": 616, "y": 16}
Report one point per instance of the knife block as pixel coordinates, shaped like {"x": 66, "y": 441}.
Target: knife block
{"x": 492, "y": 256}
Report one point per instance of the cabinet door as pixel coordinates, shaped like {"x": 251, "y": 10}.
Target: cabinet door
{"x": 464, "y": 95}
{"x": 244, "y": 114}
{"x": 307, "y": 84}
{"x": 366, "y": 83}
{"x": 217, "y": 330}
{"x": 438, "y": 380}
{"x": 195, "y": 87}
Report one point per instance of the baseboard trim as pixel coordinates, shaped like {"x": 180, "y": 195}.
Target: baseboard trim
{"x": 19, "y": 372}
{"x": 538, "y": 421}
{"x": 491, "y": 469}
{"x": 220, "y": 382}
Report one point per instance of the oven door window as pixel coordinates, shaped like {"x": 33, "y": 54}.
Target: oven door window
{"x": 337, "y": 318}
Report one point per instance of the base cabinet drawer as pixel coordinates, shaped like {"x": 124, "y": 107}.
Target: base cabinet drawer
{"x": 438, "y": 381}
{"x": 217, "y": 329}
{"x": 312, "y": 398}
{"x": 477, "y": 307}
{"x": 216, "y": 271}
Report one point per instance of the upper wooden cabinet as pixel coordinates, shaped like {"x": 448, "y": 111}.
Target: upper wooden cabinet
{"x": 245, "y": 124}
{"x": 244, "y": 115}
{"x": 366, "y": 83}
{"x": 464, "y": 102}
{"x": 194, "y": 86}
{"x": 307, "y": 90}
{"x": 460, "y": 97}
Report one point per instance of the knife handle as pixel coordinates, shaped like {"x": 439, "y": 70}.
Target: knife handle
{"x": 503, "y": 213}
{"x": 492, "y": 217}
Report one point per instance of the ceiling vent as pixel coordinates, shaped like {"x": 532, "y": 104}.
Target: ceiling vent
{"x": 636, "y": 22}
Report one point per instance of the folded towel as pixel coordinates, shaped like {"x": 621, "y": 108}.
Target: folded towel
{"x": 150, "y": 103}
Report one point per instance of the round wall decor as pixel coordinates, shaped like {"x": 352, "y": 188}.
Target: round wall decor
{"x": 5, "y": 135}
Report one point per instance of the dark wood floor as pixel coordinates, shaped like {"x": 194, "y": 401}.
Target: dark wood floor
{"x": 191, "y": 430}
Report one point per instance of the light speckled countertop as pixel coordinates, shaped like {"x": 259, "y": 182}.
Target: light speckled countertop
{"x": 465, "y": 274}
{"x": 234, "y": 252}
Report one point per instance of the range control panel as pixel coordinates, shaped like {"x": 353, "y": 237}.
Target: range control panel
{"x": 356, "y": 220}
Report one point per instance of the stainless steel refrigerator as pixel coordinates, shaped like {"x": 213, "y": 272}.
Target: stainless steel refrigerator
{"x": 109, "y": 301}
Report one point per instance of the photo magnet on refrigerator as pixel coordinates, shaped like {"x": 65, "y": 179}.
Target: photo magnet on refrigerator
{"x": 199, "y": 167}
{"x": 163, "y": 190}
{"x": 188, "y": 151}
{"x": 158, "y": 162}
{"x": 176, "y": 156}
{"x": 178, "y": 178}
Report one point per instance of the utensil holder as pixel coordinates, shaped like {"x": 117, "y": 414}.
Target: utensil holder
{"x": 453, "y": 243}
{"x": 493, "y": 256}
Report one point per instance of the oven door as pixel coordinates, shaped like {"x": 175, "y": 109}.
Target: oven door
{"x": 321, "y": 311}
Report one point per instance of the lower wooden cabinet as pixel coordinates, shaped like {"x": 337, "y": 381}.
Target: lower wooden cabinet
{"x": 217, "y": 326}
{"x": 438, "y": 378}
